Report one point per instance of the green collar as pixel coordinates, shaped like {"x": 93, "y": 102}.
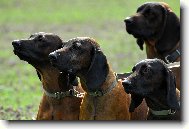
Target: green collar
{"x": 99, "y": 93}
{"x": 163, "y": 112}
{"x": 60, "y": 95}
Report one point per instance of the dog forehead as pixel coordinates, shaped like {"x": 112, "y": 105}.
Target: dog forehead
{"x": 85, "y": 41}
{"x": 80, "y": 39}
{"x": 150, "y": 5}
{"x": 41, "y": 33}
{"x": 155, "y": 64}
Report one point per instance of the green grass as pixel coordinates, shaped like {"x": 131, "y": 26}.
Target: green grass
{"x": 20, "y": 88}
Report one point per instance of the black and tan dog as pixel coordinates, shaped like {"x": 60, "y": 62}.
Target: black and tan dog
{"x": 152, "y": 80}
{"x": 58, "y": 102}
{"x": 105, "y": 98}
{"x": 156, "y": 25}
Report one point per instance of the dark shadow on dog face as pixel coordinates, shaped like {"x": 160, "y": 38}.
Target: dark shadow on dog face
{"x": 75, "y": 55}
{"x": 36, "y": 48}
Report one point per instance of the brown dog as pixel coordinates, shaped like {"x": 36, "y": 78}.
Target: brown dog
{"x": 158, "y": 26}
{"x": 104, "y": 94}
{"x": 152, "y": 80}
{"x": 58, "y": 102}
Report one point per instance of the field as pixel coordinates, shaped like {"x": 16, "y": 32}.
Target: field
{"x": 20, "y": 88}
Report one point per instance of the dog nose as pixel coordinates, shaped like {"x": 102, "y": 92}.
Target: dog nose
{"x": 128, "y": 21}
{"x": 126, "y": 82}
{"x": 16, "y": 44}
{"x": 53, "y": 56}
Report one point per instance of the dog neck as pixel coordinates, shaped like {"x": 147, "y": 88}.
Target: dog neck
{"x": 52, "y": 80}
{"x": 153, "y": 53}
{"x": 158, "y": 100}
{"x": 109, "y": 79}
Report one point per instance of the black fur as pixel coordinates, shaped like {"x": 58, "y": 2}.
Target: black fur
{"x": 136, "y": 100}
{"x": 98, "y": 71}
{"x": 171, "y": 90}
{"x": 170, "y": 36}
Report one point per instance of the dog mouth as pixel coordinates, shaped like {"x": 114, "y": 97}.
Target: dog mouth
{"x": 22, "y": 55}
{"x": 136, "y": 34}
{"x": 132, "y": 90}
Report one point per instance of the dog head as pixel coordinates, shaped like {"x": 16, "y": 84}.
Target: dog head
{"x": 36, "y": 48}
{"x": 148, "y": 77}
{"x": 82, "y": 56}
{"x": 154, "y": 21}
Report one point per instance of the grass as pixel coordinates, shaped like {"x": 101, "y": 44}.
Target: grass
{"x": 20, "y": 88}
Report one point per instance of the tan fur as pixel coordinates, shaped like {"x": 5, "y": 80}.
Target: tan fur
{"x": 64, "y": 109}
{"x": 112, "y": 106}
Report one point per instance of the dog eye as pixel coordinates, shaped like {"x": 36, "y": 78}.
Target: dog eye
{"x": 76, "y": 45}
{"x": 40, "y": 37}
{"x": 146, "y": 70}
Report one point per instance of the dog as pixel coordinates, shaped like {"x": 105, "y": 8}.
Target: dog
{"x": 59, "y": 101}
{"x": 105, "y": 98}
{"x": 152, "y": 80}
{"x": 156, "y": 25}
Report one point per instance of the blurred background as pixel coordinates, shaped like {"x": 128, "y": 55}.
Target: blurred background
{"x": 20, "y": 88}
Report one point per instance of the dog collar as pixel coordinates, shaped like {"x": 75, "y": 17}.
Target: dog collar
{"x": 175, "y": 64}
{"x": 60, "y": 95}
{"x": 163, "y": 112}
{"x": 173, "y": 56}
{"x": 99, "y": 93}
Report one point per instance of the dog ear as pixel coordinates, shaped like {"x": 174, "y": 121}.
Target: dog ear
{"x": 136, "y": 100}
{"x": 170, "y": 35}
{"x": 97, "y": 71}
{"x": 171, "y": 90}
{"x": 140, "y": 43}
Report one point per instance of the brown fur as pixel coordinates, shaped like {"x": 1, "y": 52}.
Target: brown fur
{"x": 112, "y": 106}
{"x": 151, "y": 79}
{"x": 35, "y": 51}
{"x": 82, "y": 56}
{"x": 160, "y": 33}
{"x": 67, "y": 108}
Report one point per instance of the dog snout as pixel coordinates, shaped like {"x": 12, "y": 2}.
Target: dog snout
{"x": 16, "y": 44}
{"x": 128, "y": 21}
{"x": 53, "y": 56}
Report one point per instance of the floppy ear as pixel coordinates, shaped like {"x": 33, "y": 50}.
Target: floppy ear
{"x": 171, "y": 90}
{"x": 97, "y": 71}
{"x": 170, "y": 34}
{"x": 140, "y": 43}
{"x": 136, "y": 100}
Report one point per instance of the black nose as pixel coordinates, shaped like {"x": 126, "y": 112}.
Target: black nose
{"x": 126, "y": 82}
{"x": 53, "y": 56}
{"x": 128, "y": 21}
{"x": 16, "y": 44}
